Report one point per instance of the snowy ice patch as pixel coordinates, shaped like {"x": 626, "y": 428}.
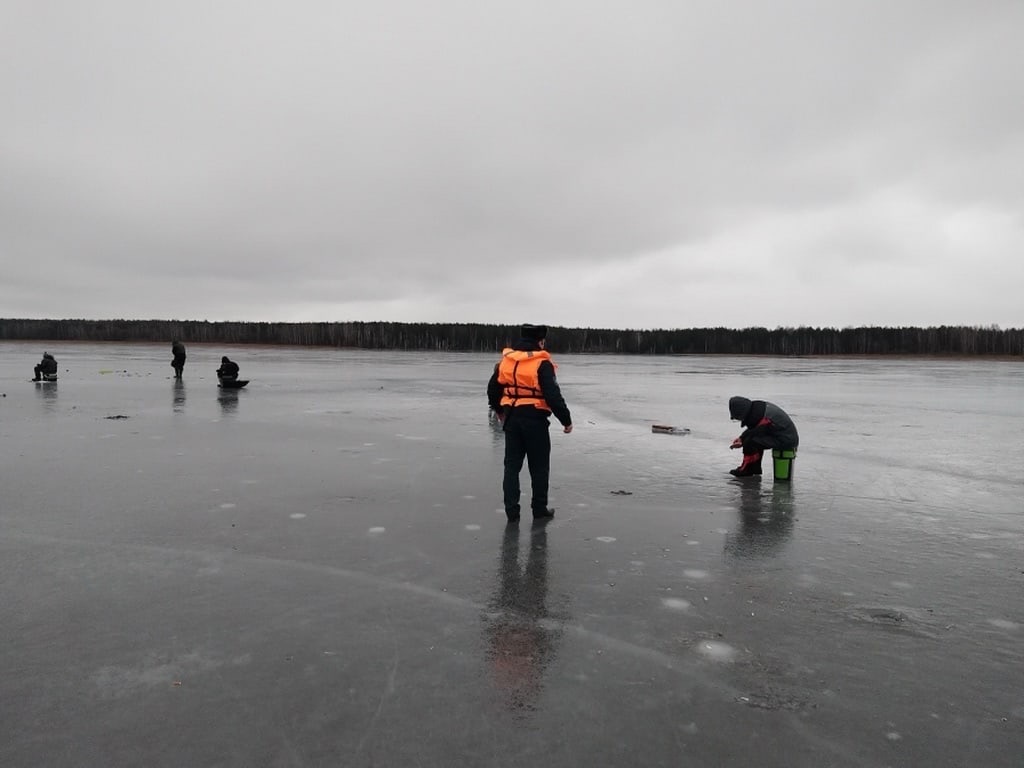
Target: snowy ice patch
{"x": 606, "y": 539}
{"x": 695, "y": 573}
{"x": 675, "y": 603}
{"x": 1004, "y": 624}
{"x": 297, "y": 515}
{"x": 716, "y": 651}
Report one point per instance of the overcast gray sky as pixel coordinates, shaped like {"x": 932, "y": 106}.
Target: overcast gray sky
{"x": 572, "y": 162}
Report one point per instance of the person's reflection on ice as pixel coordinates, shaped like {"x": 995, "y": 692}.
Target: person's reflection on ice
{"x": 228, "y": 399}
{"x": 520, "y": 637}
{"x": 178, "y": 388}
{"x": 765, "y": 521}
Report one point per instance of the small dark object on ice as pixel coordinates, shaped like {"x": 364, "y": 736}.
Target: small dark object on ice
{"x": 233, "y": 383}
{"x": 664, "y": 429}
{"x": 119, "y": 416}
{"x": 622, "y": 493}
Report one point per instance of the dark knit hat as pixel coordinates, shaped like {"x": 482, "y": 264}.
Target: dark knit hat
{"x": 534, "y": 332}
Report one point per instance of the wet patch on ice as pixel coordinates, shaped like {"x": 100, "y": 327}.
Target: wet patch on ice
{"x": 895, "y": 619}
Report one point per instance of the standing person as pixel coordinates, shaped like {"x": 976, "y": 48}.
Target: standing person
{"x": 228, "y": 370}
{"x": 767, "y": 426}
{"x": 178, "y": 363}
{"x": 47, "y": 367}
{"x": 523, "y": 392}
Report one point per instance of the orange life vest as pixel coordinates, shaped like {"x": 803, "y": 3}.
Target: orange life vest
{"x": 517, "y": 374}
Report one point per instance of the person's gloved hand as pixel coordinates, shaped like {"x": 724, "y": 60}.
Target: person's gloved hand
{"x": 737, "y": 443}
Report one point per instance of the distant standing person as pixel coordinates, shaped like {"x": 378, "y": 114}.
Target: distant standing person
{"x": 228, "y": 370}
{"x": 178, "y": 363}
{"x": 524, "y": 392}
{"x": 47, "y": 367}
{"x": 767, "y": 427}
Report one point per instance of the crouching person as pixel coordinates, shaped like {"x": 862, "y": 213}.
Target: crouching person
{"x": 767, "y": 426}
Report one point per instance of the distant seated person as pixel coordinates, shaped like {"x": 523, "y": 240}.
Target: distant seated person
{"x": 47, "y": 368}
{"x": 228, "y": 370}
{"x": 767, "y": 427}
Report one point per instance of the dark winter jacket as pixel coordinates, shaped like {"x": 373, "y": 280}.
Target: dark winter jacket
{"x": 548, "y": 387}
{"x": 48, "y": 364}
{"x": 228, "y": 369}
{"x": 765, "y": 423}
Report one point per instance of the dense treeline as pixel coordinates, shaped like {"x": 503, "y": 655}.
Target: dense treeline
{"x": 468, "y": 337}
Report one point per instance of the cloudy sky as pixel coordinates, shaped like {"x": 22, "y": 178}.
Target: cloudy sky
{"x": 574, "y": 162}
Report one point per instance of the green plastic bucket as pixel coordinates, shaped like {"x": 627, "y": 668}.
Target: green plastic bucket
{"x": 782, "y": 464}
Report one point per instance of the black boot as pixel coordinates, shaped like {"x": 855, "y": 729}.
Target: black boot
{"x": 543, "y": 514}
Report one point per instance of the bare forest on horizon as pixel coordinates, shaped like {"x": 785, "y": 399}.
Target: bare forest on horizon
{"x": 469, "y": 337}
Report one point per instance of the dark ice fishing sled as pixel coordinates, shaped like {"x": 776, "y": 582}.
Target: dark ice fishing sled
{"x": 233, "y": 383}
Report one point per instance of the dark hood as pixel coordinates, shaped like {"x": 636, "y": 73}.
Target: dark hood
{"x": 739, "y": 408}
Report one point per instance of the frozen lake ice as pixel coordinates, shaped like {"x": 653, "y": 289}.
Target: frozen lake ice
{"x": 315, "y": 570}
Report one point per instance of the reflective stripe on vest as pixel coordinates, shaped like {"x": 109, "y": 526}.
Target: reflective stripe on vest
{"x": 518, "y": 376}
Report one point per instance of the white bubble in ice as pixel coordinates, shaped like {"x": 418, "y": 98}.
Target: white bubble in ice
{"x": 695, "y": 573}
{"x": 902, "y": 584}
{"x": 472, "y": 527}
{"x": 692, "y": 543}
{"x": 985, "y": 555}
{"x": 676, "y": 603}
{"x": 227, "y": 505}
{"x": 606, "y": 539}
{"x": 716, "y": 651}
{"x": 469, "y": 497}
{"x": 893, "y": 736}
{"x": 581, "y": 504}
{"x": 721, "y": 531}
{"x": 297, "y": 515}
{"x": 376, "y": 530}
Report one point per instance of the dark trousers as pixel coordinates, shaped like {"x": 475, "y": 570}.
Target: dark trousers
{"x": 526, "y": 437}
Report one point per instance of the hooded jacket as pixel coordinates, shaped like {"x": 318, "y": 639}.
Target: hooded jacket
{"x": 765, "y": 423}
